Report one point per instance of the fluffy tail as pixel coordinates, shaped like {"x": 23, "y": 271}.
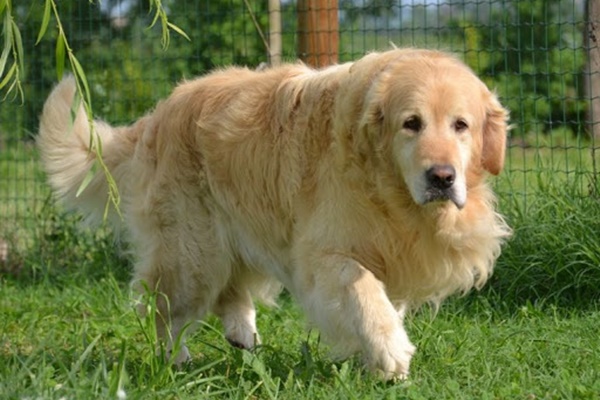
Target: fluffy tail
{"x": 64, "y": 144}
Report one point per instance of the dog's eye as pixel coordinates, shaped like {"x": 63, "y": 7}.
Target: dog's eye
{"x": 413, "y": 123}
{"x": 461, "y": 125}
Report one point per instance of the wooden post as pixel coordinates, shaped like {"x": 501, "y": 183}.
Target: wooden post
{"x": 592, "y": 70}
{"x": 318, "y": 32}
{"x": 275, "y": 47}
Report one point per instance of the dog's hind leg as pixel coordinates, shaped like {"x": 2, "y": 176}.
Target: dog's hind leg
{"x": 187, "y": 275}
{"x": 169, "y": 321}
{"x": 235, "y": 305}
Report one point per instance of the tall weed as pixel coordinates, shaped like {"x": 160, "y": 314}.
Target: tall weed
{"x": 554, "y": 255}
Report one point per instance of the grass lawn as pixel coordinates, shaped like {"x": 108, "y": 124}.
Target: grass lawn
{"x": 81, "y": 339}
{"x": 68, "y": 329}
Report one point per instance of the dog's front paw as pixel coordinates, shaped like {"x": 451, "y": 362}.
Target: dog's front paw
{"x": 390, "y": 359}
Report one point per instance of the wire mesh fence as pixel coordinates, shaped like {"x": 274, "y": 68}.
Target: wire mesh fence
{"x": 541, "y": 56}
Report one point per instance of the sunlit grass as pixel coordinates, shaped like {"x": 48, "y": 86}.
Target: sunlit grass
{"x": 81, "y": 338}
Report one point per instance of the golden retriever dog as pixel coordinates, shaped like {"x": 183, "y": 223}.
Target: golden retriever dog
{"x": 360, "y": 188}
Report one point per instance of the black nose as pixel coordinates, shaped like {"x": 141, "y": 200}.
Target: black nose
{"x": 441, "y": 176}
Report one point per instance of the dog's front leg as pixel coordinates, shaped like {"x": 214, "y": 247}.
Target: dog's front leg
{"x": 350, "y": 306}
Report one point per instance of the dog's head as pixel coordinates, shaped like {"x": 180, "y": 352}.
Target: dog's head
{"x": 435, "y": 124}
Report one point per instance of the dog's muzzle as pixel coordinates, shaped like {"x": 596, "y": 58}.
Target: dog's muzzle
{"x": 440, "y": 181}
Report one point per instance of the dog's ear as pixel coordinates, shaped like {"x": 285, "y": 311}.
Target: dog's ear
{"x": 494, "y": 136}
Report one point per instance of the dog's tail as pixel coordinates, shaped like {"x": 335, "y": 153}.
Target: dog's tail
{"x": 72, "y": 164}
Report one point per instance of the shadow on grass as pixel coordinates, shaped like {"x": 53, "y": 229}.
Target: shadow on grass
{"x": 56, "y": 249}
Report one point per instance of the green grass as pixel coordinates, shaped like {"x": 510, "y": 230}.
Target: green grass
{"x": 555, "y": 253}
{"x": 82, "y": 339}
{"x": 68, "y": 328}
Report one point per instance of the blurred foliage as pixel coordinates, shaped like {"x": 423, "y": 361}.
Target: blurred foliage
{"x": 126, "y": 65}
{"x": 531, "y": 52}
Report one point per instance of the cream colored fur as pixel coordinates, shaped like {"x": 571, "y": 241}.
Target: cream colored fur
{"x": 242, "y": 181}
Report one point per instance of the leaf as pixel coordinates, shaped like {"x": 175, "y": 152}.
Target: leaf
{"x": 160, "y": 14}
{"x": 45, "y": 21}
{"x": 3, "y": 4}
{"x": 86, "y": 180}
{"x": 75, "y": 108}
{"x": 118, "y": 374}
{"x": 81, "y": 78}
{"x": 88, "y": 350}
{"x": 8, "y": 76}
{"x": 18, "y": 44}
{"x": 7, "y": 33}
{"x": 13, "y": 44}
{"x": 60, "y": 56}
{"x": 13, "y": 85}
{"x": 16, "y": 85}
{"x": 178, "y": 30}
{"x": 156, "y": 16}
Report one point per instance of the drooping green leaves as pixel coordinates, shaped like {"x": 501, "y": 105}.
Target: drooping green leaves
{"x": 12, "y": 52}
{"x": 45, "y": 20}
{"x": 161, "y": 15}
{"x": 12, "y": 70}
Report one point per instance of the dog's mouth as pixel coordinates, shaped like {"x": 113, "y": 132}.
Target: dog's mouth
{"x": 435, "y": 195}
